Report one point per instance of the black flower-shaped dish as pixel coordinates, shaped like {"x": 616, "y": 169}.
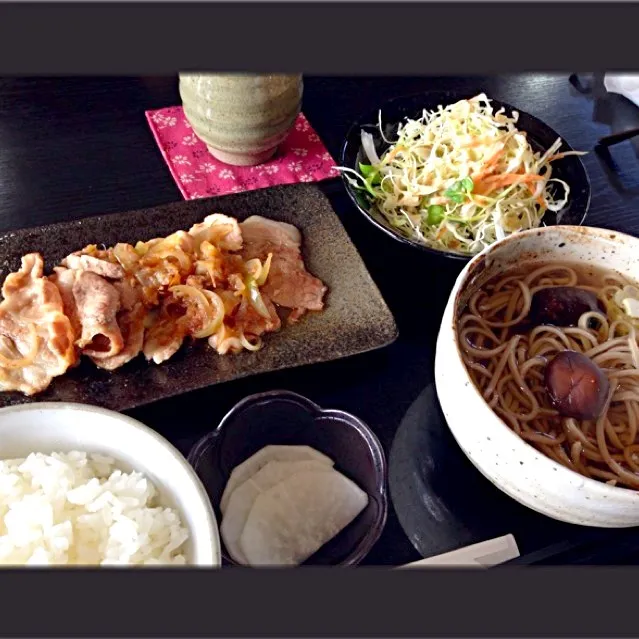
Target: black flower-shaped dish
{"x": 285, "y": 418}
{"x": 570, "y": 169}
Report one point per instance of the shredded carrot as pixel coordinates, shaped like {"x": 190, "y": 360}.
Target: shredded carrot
{"x": 493, "y": 182}
{"x": 511, "y": 178}
{"x": 490, "y": 165}
{"x": 539, "y": 199}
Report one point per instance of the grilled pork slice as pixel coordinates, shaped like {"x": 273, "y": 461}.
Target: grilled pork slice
{"x": 64, "y": 279}
{"x": 36, "y": 337}
{"x": 289, "y": 284}
{"x": 81, "y": 262}
{"x": 97, "y": 302}
{"x": 130, "y": 295}
{"x": 131, "y": 324}
{"x": 130, "y": 320}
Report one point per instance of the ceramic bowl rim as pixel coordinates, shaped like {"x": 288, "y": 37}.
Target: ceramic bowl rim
{"x": 596, "y": 234}
{"x": 367, "y": 542}
{"x": 211, "y": 521}
{"x": 357, "y": 124}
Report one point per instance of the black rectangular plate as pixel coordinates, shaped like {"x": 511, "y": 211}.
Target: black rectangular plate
{"x": 355, "y": 320}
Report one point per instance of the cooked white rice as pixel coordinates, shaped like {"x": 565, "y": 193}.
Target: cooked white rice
{"x": 76, "y": 508}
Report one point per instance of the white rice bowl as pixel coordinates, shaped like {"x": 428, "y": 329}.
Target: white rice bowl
{"x": 131, "y": 500}
{"x": 76, "y": 508}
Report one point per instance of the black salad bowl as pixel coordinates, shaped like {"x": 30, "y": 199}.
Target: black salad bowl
{"x": 569, "y": 169}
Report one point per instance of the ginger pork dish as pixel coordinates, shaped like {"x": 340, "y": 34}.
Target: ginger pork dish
{"x": 224, "y": 281}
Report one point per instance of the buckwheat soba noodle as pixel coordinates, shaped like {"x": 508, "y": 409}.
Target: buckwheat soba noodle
{"x": 553, "y": 350}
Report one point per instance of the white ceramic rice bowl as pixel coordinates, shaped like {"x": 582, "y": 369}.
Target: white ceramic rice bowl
{"x": 63, "y": 427}
{"x": 499, "y": 454}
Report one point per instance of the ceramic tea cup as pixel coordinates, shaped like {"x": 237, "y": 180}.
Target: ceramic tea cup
{"x": 242, "y": 119}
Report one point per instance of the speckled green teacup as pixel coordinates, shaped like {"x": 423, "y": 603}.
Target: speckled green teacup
{"x": 241, "y": 118}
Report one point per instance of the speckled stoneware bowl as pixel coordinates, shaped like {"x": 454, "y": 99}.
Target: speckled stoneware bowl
{"x": 502, "y": 456}
{"x": 285, "y": 418}
{"x": 242, "y": 119}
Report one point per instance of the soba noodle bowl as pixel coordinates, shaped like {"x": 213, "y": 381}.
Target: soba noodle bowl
{"x": 564, "y": 380}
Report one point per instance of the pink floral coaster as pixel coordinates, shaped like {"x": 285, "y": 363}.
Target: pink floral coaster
{"x": 301, "y": 158}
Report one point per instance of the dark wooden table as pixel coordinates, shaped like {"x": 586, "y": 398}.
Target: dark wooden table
{"x": 73, "y": 147}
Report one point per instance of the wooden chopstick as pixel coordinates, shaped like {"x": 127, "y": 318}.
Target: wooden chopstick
{"x": 481, "y": 555}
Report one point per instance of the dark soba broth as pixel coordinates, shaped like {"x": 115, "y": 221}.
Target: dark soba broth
{"x": 553, "y": 350}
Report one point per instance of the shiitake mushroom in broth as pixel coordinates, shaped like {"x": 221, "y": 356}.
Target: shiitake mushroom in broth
{"x": 553, "y": 349}
{"x": 562, "y": 305}
{"x": 577, "y": 387}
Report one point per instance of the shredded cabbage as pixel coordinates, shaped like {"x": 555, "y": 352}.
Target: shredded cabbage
{"x": 460, "y": 177}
